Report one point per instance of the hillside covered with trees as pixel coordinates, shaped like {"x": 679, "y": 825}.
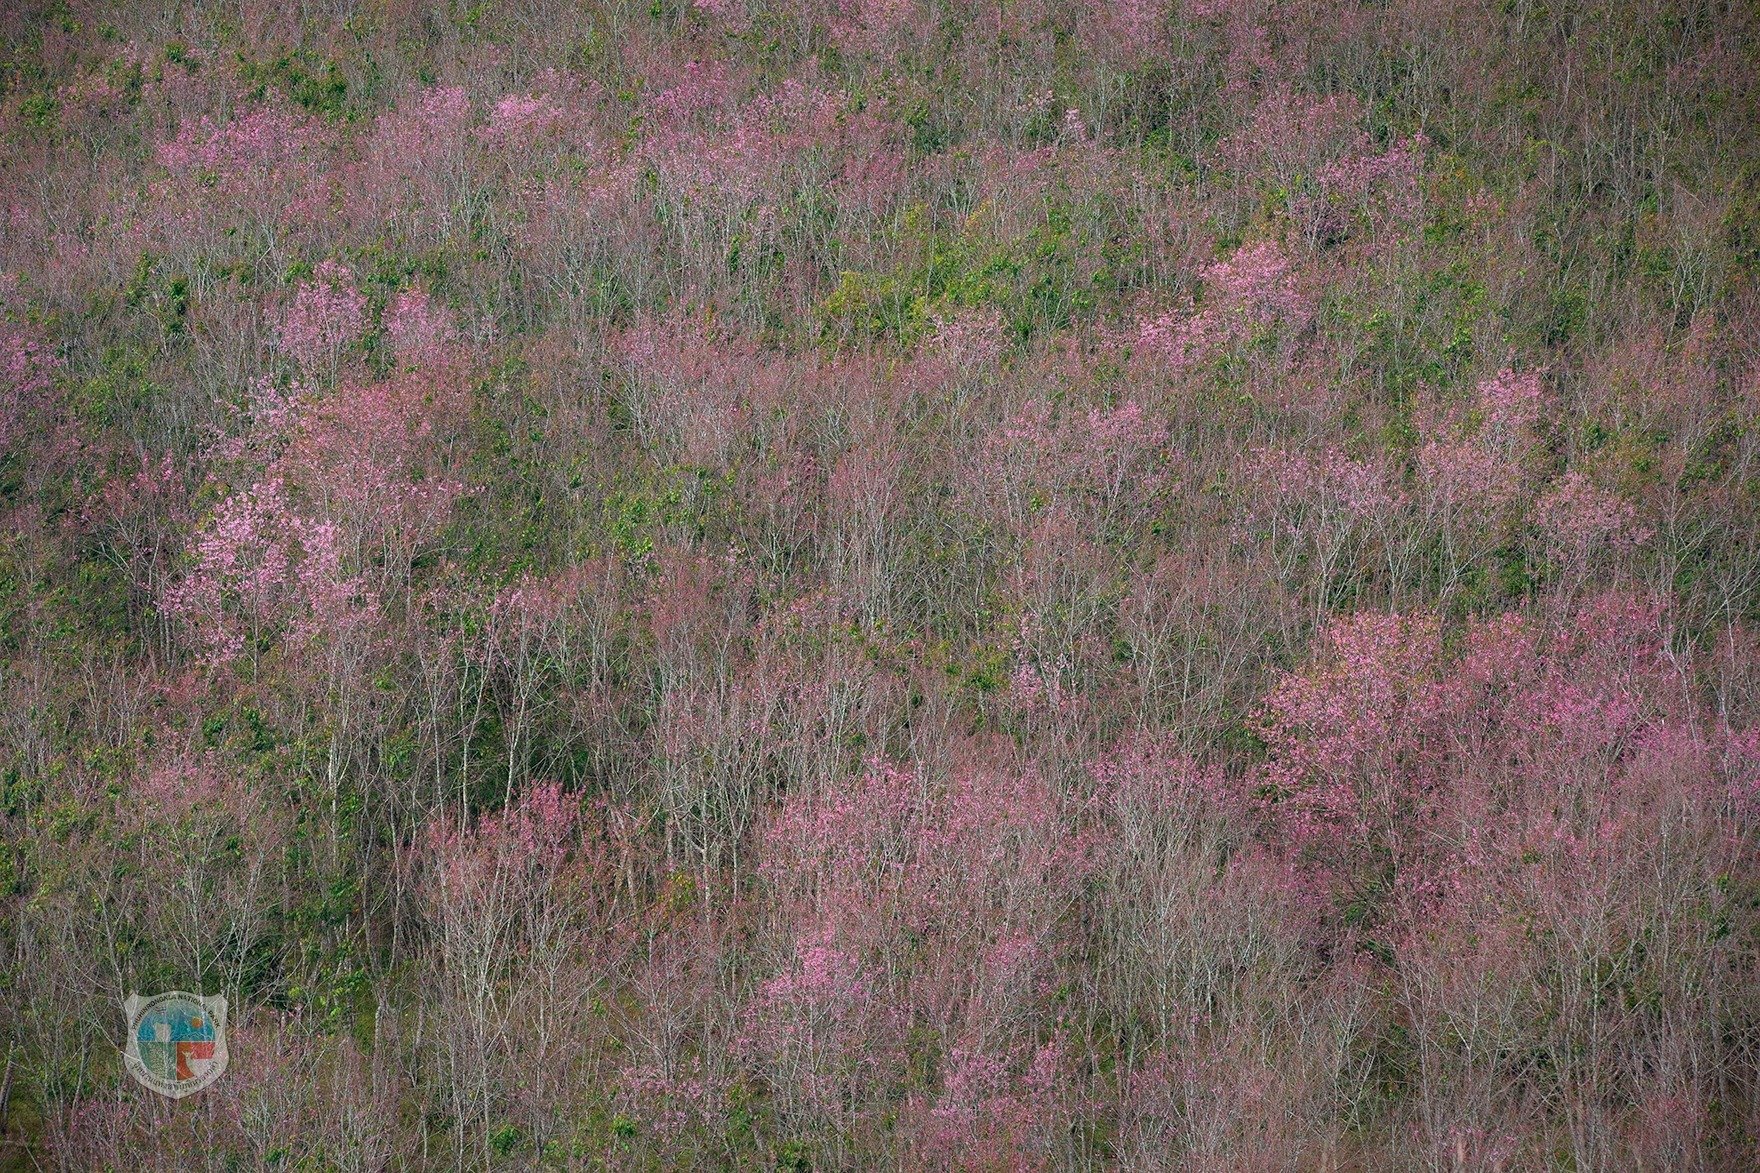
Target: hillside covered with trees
{"x": 884, "y": 584}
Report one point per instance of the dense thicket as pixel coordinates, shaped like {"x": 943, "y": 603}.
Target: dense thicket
{"x": 833, "y": 584}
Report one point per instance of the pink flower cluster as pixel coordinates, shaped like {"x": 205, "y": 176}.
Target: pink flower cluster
{"x": 1246, "y": 298}
{"x": 27, "y": 371}
{"x": 327, "y": 316}
{"x": 420, "y": 328}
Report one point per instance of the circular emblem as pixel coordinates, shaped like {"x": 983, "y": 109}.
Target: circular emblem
{"x": 176, "y": 1041}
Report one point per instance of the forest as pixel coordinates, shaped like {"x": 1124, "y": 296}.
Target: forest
{"x": 963, "y": 585}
